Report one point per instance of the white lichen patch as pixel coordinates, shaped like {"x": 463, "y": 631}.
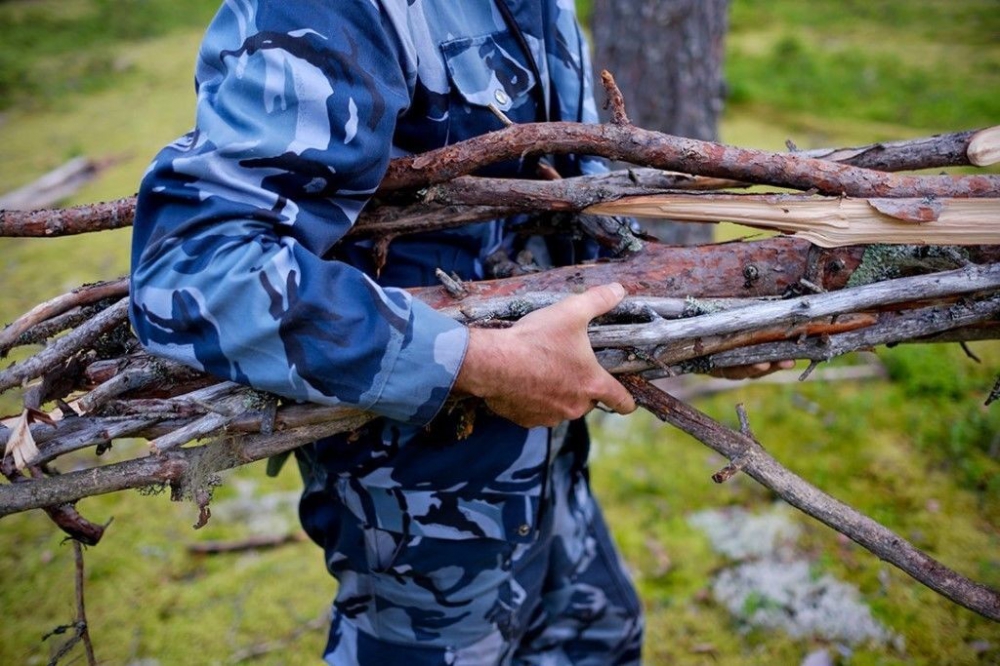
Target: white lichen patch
{"x": 740, "y": 535}
{"x": 770, "y": 586}
{"x": 776, "y": 594}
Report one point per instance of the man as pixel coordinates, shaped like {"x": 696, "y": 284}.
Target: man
{"x": 482, "y": 550}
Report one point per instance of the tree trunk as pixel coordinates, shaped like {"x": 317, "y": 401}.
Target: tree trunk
{"x": 667, "y": 56}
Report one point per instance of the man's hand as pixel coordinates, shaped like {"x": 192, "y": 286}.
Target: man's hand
{"x": 542, "y": 370}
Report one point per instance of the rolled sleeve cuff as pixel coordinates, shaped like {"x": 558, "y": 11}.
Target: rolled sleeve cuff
{"x": 425, "y": 368}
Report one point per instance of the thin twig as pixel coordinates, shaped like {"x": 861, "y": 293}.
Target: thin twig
{"x": 81, "y": 632}
{"x": 81, "y": 611}
{"x": 84, "y": 295}
{"x": 968, "y": 352}
{"x": 615, "y": 99}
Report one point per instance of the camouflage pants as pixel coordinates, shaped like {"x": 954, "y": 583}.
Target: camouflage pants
{"x": 563, "y": 598}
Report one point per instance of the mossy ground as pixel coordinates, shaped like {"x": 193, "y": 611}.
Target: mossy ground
{"x": 917, "y": 451}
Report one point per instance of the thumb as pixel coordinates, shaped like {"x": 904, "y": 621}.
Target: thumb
{"x": 593, "y": 302}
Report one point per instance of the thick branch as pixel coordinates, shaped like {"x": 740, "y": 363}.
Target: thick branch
{"x": 973, "y": 320}
{"x": 468, "y": 199}
{"x": 830, "y": 221}
{"x": 932, "y": 152}
{"x": 662, "y": 151}
{"x": 68, "y": 221}
{"x": 762, "y": 467}
{"x": 803, "y": 308}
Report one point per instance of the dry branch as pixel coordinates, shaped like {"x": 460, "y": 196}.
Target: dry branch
{"x": 964, "y": 320}
{"x": 758, "y": 464}
{"x": 969, "y": 148}
{"x": 85, "y": 295}
{"x": 802, "y": 309}
{"x": 690, "y": 309}
{"x": 185, "y": 470}
{"x": 662, "y": 151}
{"x": 60, "y": 351}
{"x": 830, "y": 222}
{"x": 690, "y": 387}
{"x": 800, "y": 327}
{"x": 81, "y": 631}
{"x": 460, "y": 200}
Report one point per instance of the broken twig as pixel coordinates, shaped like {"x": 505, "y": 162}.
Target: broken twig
{"x": 760, "y": 465}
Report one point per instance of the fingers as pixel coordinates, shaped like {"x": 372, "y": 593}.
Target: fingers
{"x": 617, "y": 398}
{"x": 593, "y": 302}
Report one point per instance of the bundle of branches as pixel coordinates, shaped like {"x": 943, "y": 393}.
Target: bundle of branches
{"x": 874, "y": 258}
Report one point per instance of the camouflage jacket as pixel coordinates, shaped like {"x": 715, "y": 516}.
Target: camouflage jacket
{"x": 239, "y": 267}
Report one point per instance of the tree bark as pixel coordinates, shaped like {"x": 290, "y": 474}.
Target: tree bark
{"x": 674, "y": 153}
{"x": 668, "y": 56}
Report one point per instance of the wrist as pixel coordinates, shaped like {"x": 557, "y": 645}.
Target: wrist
{"x": 481, "y": 364}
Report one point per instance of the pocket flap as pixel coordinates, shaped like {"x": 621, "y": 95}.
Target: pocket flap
{"x": 487, "y": 70}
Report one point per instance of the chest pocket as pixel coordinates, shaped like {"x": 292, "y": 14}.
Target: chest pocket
{"x": 485, "y": 70}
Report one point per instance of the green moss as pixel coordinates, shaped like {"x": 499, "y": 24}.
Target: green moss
{"x": 885, "y": 262}
{"x": 148, "y": 598}
{"x": 894, "y": 449}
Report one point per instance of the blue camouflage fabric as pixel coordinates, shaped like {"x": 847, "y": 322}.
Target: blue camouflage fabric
{"x": 240, "y": 268}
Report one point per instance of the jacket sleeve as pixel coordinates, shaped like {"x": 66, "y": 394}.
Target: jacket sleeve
{"x": 297, "y": 104}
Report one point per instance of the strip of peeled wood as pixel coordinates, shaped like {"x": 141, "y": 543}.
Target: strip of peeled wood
{"x": 830, "y": 221}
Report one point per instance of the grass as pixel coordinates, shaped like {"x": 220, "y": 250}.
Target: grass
{"x": 917, "y": 451}
{"x": 889, "y": 62}
{"x": 51, "y": 49}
